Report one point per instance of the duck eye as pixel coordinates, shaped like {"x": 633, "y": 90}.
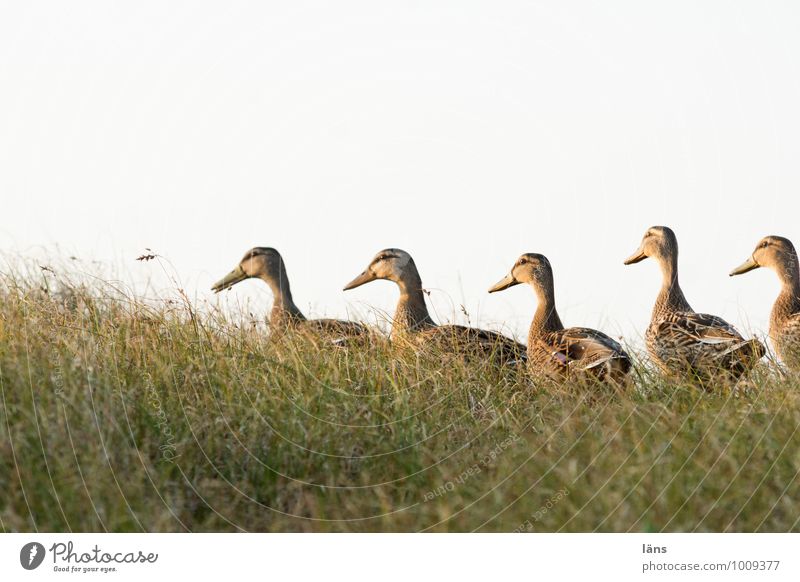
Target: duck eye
{"x": 764, "y": 244}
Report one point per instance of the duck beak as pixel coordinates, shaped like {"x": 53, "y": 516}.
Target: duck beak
{"x": 236, "y": 276}
{"x": 745, "y": 267}
{"x": 504, "y": 283}
{"x": 639, "y": 255}
{"x": 364, "y": 277}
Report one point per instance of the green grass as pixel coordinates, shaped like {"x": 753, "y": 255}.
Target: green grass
{"x": 124, "y": 415}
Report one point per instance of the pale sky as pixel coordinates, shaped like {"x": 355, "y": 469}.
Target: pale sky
{"x": 463, "y": 132}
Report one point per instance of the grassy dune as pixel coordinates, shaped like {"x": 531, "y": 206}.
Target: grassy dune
{"x": 122, "y": 415}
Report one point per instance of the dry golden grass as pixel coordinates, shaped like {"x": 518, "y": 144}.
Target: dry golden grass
{"x": 124, "y": 415}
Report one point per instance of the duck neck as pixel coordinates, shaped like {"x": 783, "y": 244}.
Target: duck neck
{"x": 546, "y": 319}
{"x": 788, "y": 301}
{"x": 284, "y": 311}
{"x": 789, "y": 273}
{"x": 670, "y": 299}
{"x": 411, "y": 313}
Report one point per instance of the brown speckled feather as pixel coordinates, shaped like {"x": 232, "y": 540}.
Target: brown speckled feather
{"x": 786, "y": 338}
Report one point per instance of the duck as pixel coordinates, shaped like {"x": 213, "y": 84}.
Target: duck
{"x": 680, "y": 340}
{"x": 267, "y": 264}
{"x": 556, "y": 351}
{"x": 778, "y": 253}
{"x": 412, "y": 323}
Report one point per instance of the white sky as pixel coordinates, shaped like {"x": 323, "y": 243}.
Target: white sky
{"x": 465, "y": 133}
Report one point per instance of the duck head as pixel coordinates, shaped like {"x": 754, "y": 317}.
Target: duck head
{"x": 773, "y": 252}
{"x": 530, "y": 268}
{"x": 658, "y": 242}
{"x": 260, "y": 262}
{"x": 390, "y": 264}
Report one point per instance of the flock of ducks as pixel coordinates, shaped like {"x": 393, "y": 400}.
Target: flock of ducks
{"x": 679, "y": 340}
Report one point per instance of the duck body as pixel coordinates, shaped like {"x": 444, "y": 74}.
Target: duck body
{"x": 339, "y": 331}
{"x": 412, "y": 324}
{"x": 266, "y": 263}
{"x": 578, "y": 351}
{"x": 700, "y": 344}
{"x": 681, "y": 341}
{"x": 556, "y": 351}
{"x": 778, "y": 253}
{"x": 469, "y": 341}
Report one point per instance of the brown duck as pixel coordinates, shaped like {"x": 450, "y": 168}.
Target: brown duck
{"x": 778, "y": 253}
{"x": 267, "y": 264}
{"x": 413, "y": 323}
{"x": 681, "y": 340}
{"x": 557, "y": 351}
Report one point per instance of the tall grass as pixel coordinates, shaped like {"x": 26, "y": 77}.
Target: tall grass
{"x": 120, "y": 414}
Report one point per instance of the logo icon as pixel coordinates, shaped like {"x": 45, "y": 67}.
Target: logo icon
{"x": 31, "y": 555}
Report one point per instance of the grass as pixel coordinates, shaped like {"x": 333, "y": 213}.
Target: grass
{"x": 120, "y": 414}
